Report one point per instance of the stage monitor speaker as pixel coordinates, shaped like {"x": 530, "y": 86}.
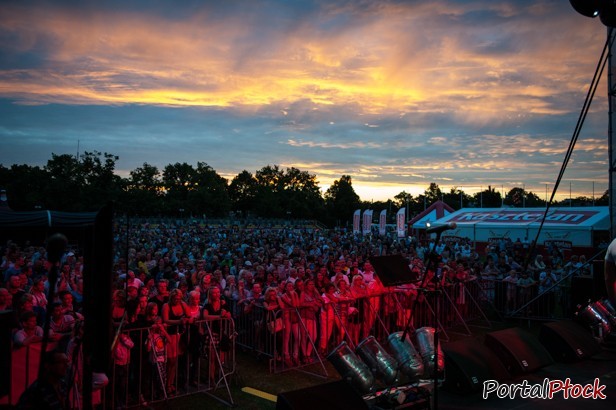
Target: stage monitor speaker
{"x": 568, "y": 341}
{"x": 393, "y": 270}
{"x": 329, "y": 396}
{"x": 519, "y": 350}
{"x": 468, "y": 364}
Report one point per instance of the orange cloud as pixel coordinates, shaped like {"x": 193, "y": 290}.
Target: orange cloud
{"x": 394, "y": 57}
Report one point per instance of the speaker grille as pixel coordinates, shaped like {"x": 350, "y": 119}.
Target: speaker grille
{"x": 518, "y": 350}
{"x": 468, "y": 363}
{"x": 568, "y": 341}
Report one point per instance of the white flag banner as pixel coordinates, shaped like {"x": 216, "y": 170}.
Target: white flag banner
{"x": 356, "y": 221}
{"x": 367, "y": 222}
{"x": 382, "y": 221}
{"x": 401, "y": 222}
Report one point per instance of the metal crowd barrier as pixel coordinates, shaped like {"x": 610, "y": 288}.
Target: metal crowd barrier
{"x": 23, "y": 367}
{"x": 297, "y": 343}
{"x": 204, "y": 362}
{"x": 537, "y": 302}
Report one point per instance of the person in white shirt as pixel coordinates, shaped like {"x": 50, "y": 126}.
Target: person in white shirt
{"x": 368, "y": 273}
{"x": 30, "y": 332}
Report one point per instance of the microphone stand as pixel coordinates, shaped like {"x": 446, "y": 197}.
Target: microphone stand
{"x": 74, "y": 370}
{"x": 52, "y": 279}
{"x": 431, "y": 262}
{"x": 56, "y": 245}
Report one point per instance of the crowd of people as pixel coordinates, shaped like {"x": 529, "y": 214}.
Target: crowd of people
{"x": 302, "y": 284}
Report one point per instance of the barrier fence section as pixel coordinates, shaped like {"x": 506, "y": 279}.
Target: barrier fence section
{"x": 201, "y": 357}
{"x": 24, "y": 367}
{"x": 198, "y": 358}
{"x": 297, "y": 337}
{"x": 538, "y": 301}
{"x": 148, "y": 365}
{"x": 545, "y": 295}
{"x": 528, "y": 301}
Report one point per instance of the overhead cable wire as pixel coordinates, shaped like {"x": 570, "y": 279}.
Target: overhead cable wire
{"x": 576, "y": 133}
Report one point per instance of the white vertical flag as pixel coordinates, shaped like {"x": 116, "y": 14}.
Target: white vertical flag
{"x": 382, "y": 221}
{"x": 401, "y": 222}
{"x": 356, "y": 221}
{"x": 367, "y": 222}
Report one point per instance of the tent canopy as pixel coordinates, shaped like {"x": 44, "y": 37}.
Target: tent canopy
{"x": 573, "y": 224}
{"x": 49, "y": 219}
{"x": 36, "y": 226}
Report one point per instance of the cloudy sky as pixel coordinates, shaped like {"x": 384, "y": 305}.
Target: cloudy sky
{"x": 397, "y": 94}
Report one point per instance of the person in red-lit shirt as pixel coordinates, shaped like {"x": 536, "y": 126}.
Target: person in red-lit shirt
{"x": 289, "y": 301}
{"x": 214, "y": 312}
{"x": 121, "y": 359}
{"x": 310, "y": 303}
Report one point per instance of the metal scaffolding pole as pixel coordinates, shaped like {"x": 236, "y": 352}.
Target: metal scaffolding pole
{"x": 611, "y": 135}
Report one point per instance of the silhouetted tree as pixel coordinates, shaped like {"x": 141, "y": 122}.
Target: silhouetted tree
{"x": 68, "y": 183}
{"x": 456, "y": 198}
{"x": 25, "y": 186}
{"x": 301, "y": 195}
{"x": 243, "y": 191}
{"x": 402, "y": 200}
{"x": 270, "y": 185}
{"x": 488, "y": 198}
{"x": 178, "y": 179}
{"x": 143, "y": 191}
{"x": 100, "y": 183}
{"x": 433, "y": 193}
{"x": 210, "y": 195}
{"x": 604, "y": 200}
{"x": 341, "y": 201}
{"x": 83, "y": 184}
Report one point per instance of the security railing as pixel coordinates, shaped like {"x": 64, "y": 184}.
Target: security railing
{"x": 200, "y": 358}
{"x": 546, "y": 301}
{"x": 297, "y": 337}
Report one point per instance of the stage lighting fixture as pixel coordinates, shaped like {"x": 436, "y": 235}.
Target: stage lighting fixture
{"x": 381, "y": 364}
{"x": 352, "y": 369}
{"x": 605, "y": 9}
{"x": 427, "y": 350}
{"x": 411, "y": 364}
{"x": 593, "y": 316}
{"x": 588, "y": 8}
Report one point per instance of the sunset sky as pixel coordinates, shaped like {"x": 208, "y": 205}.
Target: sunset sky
{"x": 397, "y": 94}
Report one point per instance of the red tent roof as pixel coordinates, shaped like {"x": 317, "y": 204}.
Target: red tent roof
{"x": 439, "y": 208}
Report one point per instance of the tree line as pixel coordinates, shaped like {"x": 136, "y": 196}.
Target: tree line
{"x": 88, "y": 181}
